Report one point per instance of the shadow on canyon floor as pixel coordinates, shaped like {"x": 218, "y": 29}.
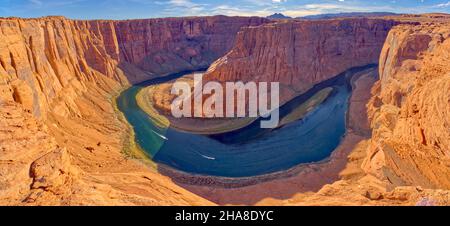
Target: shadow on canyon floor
{"x": 277, "y": 188}
{"x": 306, "y": 178}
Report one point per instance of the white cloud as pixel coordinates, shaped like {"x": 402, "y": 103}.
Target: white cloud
{"x": 267, "y": 7}
{"x": 320, "y": 8}
{"x": 53, "y": 3}
{"x": 443, "y": 5}
{"x": 182, "y": 8}
{"x": 235, "y": 11}
{"x": 182, "y": 3}
{"x": 36, "y": 2}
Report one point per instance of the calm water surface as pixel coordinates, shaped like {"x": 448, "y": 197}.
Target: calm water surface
{"x": 250, "y": 151}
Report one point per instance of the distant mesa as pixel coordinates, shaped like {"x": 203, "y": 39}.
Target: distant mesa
{"x": 278, "y": 16}
{"x": 349, "y": 14}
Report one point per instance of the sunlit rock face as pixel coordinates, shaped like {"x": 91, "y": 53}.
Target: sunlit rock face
{"x": 53, "y": 56}
{"x": 58, "y": 78}
{"x": 168, "y": 45}
{"x": 61, "y": 141}
{"x": 410, "y": 108}
{"x": 299, "y": 54}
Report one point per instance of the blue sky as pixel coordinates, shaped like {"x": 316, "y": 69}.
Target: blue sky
{"x": 130, "y": 9}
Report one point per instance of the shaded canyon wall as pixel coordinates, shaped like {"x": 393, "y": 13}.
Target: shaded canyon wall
{"x": 299, "y": 54}
{"x": 410, "y": 107}
{"x": 61, "y": 140}
{"x": 49, "y": 58}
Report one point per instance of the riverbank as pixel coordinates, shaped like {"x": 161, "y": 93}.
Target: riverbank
{"x": 156, "y": 100}
{"x": 301, "y": 111}
{"x": 343, "y": 163}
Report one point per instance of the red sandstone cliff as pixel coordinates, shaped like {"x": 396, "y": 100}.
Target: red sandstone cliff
{"x": 61, "y": 141}
{"x": 172, "y": 44}
{"x": 303, "y": 53}
{"x": 52, "y": 58}
{"x": 410, "y": 108}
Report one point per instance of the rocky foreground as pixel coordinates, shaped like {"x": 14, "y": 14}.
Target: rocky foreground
{"x": 58, "y": 80}
{"x": 62, "y": 142}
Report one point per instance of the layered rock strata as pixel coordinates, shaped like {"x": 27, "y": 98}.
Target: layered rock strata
{"x": 299, "y": 54}
{"x": 61, "y": 140}
{"x": 50, "y": 60}
{"x": 410, "y": 108}
{"x": 408, "y": 155}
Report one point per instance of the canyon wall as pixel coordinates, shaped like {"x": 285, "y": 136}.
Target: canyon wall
{"x": 61, "y": 139}
{"x": 168, "y": 45}
{"x": 299, "y": 54}
{"x": 410, "y": 108}
{"x": 62, "y": 142}
{"x": 409, "y": 111}
{"x": 52, "y": 58}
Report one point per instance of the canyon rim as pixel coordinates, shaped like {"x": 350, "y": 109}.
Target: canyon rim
{"x": 364, "y": 111}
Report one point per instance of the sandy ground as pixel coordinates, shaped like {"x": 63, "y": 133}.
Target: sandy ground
{"x": 156, "y": 101}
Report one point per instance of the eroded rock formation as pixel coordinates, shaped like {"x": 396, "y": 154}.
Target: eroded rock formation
{"x": 299, "y": 54}
{"x": 54, "y": 57}
{"x": 410, "y": 108}
{"x": 62, "y": 142}
{"x": 57, "y": 80}
{"x": 408, "y": 111}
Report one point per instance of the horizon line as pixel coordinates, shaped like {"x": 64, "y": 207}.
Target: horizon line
{"x": 143, "y": 18}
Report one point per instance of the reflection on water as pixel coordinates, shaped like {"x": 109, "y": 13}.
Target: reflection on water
{"x": 250, "y": 151}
